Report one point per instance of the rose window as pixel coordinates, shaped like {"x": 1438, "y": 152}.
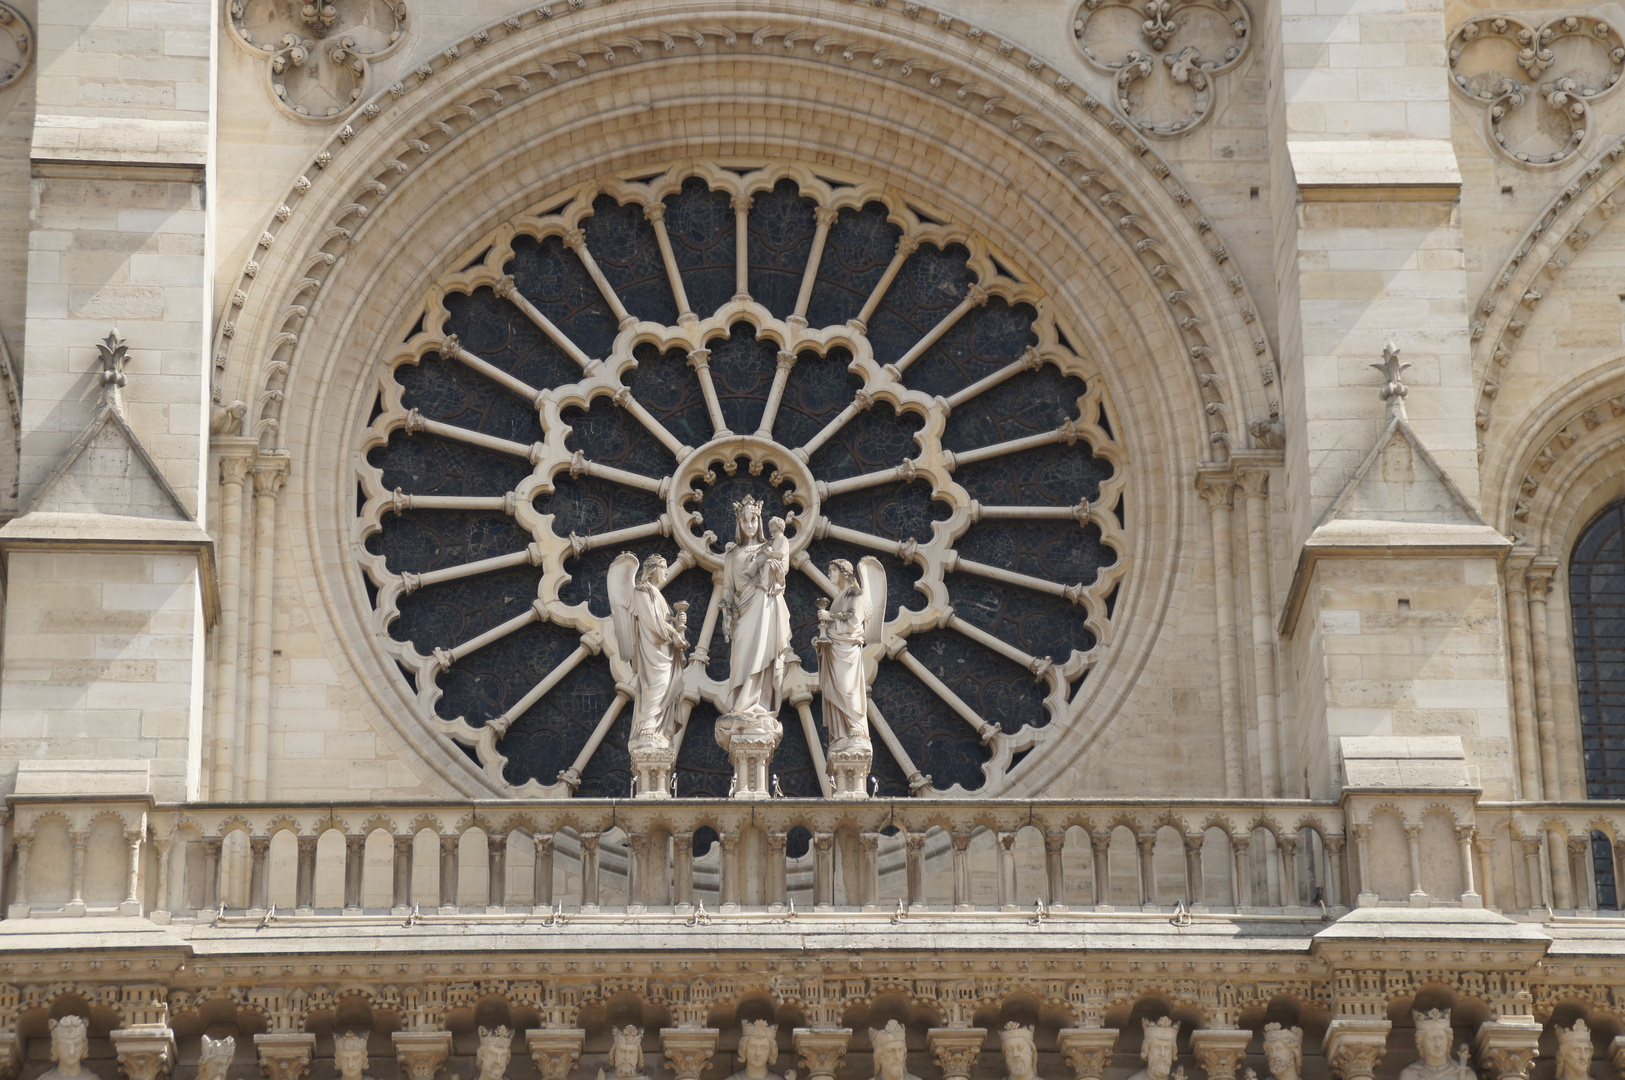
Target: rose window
{"x": 614, "y": 369}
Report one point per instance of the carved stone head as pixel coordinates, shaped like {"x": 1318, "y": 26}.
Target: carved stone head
{"x": 70, "y": 1038}
{"x": 748, "y": 514}
{"x": 626, "y": 1053}
{"x": 1020, "y": 1051}
{"x": 1159, "y": 1046}
{"x": 496, "y": 1050}
{"x": 891, "y": 1051}
{"x": 758, "y": 1043}
{"x": 215, "y": 1057}
{"x": 350, "y": 1055}
{"x": 652, "y": 570}
{"x": 1283, "y": 1050}
{"x": 1433, "y": 1036}
{"x": 775, "y": 527}
{"x": 1574, "y": 1050}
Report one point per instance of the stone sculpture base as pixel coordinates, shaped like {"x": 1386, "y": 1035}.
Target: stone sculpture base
{"x": 849, "y": 769}
{"x": 750, "y": 738}
{"x": 651, "y": 770}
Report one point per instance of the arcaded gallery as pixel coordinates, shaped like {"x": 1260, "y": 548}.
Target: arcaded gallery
{"x": 812, "y": 540}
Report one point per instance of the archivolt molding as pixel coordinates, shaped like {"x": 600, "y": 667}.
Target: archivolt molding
{"x": 403, "y": 129}
{"x": 1573, "y": 217}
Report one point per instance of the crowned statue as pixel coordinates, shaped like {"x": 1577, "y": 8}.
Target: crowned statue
{"x": 756, "y": 622}
{"x": 1433, "y": 1060}
{"x": 652, "y": 636}
{"x": 1158, "y": 1049}
{"x": 890, "y": 1045}
{"x": 494, "y": 1053}
{"x": 214, "y": 1057}
{"x": 852, "y": 620}
{"x": 1020, "y": 1051}
{"x": 70, "y": 1039}
{"x": 758, "y": 1048}
{"x": 350, "y": 1055}
{"x": 1574, "y": 1051}
{"x": 625, "y": 1054}
{"x": 1283, "y": 1051}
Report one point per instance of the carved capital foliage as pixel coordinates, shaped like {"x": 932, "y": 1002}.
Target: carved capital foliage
{"x": 821, "y": 1051}
{"x": 1354, "y": 1046}
{"x": 555, "y": 1050}
{"x": 1219, "y": 1051}
{"x": 284, "y": 1055}
{"x": 688, "y": 1050}
{"x": 145, "y": 1052}
{"x": 1087, "y": 1050}
{"x": 1506, "y": 1049}
{"x": 422, "y": 1054}
{"x": 956, "y": 1050}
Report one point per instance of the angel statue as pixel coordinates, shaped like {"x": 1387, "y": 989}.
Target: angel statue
{"x": 851, "y": 621}
{"x": 652, "y": 636}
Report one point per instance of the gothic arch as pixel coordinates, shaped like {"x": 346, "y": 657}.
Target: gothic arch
{"x": 517, "y": 113}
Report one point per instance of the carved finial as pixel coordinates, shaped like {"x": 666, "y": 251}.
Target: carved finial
{"x": 114, "y": 355}
{"x": 1393, "y": 389}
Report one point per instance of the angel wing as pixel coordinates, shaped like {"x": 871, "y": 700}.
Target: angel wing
{"x": 872, "y": 576}
{"x": 623, "y": 585}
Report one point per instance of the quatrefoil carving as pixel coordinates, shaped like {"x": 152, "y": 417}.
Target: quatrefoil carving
{"x": 318, "y": 55}
{"x": 16, "y": 45}
{"x": 1501, "y": 62}
{"x": 1163, "y": 55}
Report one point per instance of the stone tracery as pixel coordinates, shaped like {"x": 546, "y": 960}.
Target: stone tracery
{"x": 613, "y": 370}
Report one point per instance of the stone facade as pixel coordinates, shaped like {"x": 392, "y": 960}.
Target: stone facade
{"x": 1279, "y": 714}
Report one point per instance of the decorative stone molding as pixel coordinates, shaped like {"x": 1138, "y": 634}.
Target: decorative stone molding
{"x": 19, "y": 36}
{"x": 1165, "y": 55}
{"x": 284, "y": 1055}
{"x": 1556, "y": 58}
{"x": 1087, "y": 1050}
{"x": 555, "y": 1050}
{"x": 422, "y": 1053}
{"x": 330, "y": 46}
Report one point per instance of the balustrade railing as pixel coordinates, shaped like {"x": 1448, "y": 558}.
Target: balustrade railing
{"x": 610, "y": 859}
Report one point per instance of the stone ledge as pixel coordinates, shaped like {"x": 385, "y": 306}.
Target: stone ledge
{"x": 1366, "y": 170}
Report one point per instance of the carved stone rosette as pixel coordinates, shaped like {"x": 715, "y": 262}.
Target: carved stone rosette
{"x": 15, "y": 30}
{"x": 956, "y": 1050}
{"x": 285, "y": 1055}
{"x": 318, "y": 57}
{"x": 555, "y": 1050}
{"x": 1087, "y": 1050}
{"x": 688, "y": 1050}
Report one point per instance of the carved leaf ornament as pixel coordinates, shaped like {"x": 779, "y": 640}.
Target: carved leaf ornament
{"x": 16, "y": 45}
{"x": 1535, "y": 83}
{"x": 613, "y": 371}
{"x": 318, "y": 55}
{"x": 1163, "y": 55}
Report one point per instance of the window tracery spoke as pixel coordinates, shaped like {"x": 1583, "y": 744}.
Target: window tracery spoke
{"x": 680, "y": 342}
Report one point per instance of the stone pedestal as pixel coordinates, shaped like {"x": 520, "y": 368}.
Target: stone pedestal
{"x": 849, "y": 769}
{"x": 750, "y": 740}
{"x": 145, "y": 1051}
{"x": 285, "y": 1055}
{"x": 1087, "y": 1050}
{"x": 956, "y": 1050}
{"x": 422, "y": 1054}
{"x": 555, "y": 1050}
{"x": 651, "y": 771}
{"x": 688, "y": 1050}
{"x": 821, "y": 1051}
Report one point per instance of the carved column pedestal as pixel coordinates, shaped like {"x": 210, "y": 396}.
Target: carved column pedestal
{"x": 555, "y": 1050}
{"x": 688, "y": 1050}
{"x": 285, "y": 1055}
{"x": 750, "y": 741}
{"x": 1219, "y": 1050}
{"x": 651, "y": 770}
{"x": 956, "y": 1050}
{"x": 1505, "y": 1049}
{"x": 1087, "y": 1050}
{"x": 821, "y": 1051}
{"x": 422, "y": 1054}
{"x": 1354, "y": 1045}
{"x": 849, "y": 771}
{"x": 145, "y": 1051}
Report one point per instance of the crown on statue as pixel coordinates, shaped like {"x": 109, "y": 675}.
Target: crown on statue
{"x": 1015, "y": 1031}
{"x": 1162, "y": 1026}
{"x": 1579, "y": 1033}
{"x": 749, "y": 503}
{"x": 1277, "y": 1033}
{"x": 350, "y": 1040}
{"x": 890, "y": 1035}
{"x": 758, "y": 1028}
{"x": 1432, "y": 1020}
{"x": 69, "y": 1025}
{"x": 501, "y": 1032}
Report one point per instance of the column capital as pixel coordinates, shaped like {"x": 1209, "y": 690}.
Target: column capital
{"x": 688, "y": 1050}
{"x": 145, "y": 1051}
{"x": 1087, "y": 1050}
{"x": 555, "y": 1050}
{"x": 821, "y": 1051}
{"x": 422, "y": 1054}
{"x": 285, "y": 1055}
{"x": 1220, "y": 1050}
{"x": 1354, "y": 1045}
{"x": 1254, "y": 481}
{"x": 1506, "y": 1048}
{"x": 271, "y": 472}
{"x": 956, "y": 1050}
{"x": 1217, "y": 487}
